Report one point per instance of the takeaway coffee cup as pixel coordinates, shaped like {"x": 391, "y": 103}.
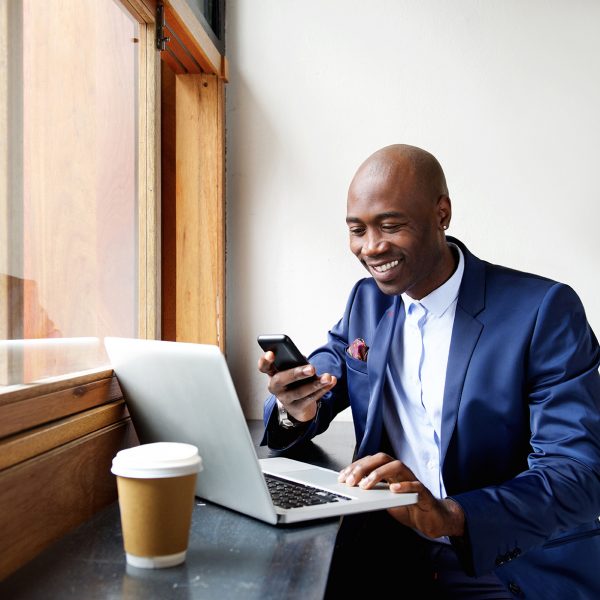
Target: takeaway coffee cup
{"x": 156, "y": 485}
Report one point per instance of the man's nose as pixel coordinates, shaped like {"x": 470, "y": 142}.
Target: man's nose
{"x": 373, "y": 245}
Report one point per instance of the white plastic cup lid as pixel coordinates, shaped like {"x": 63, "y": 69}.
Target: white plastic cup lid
{"x": 157, "y": 460}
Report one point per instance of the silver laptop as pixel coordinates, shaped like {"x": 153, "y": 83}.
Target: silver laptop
{"x": 183, "y": 392}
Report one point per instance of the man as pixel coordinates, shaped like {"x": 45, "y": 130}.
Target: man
{"x": 475, "y": 385}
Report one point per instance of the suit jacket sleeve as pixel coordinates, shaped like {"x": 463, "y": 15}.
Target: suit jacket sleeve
{"x": 560, "y": 489}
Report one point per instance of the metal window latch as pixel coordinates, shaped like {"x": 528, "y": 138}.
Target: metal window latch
{"x": 161, "y": 39}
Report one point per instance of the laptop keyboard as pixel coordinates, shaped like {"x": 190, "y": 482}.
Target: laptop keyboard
{"x": 289, "y": 494}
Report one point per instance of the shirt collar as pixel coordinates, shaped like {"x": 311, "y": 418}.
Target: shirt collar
{"x": 438, "y": 301}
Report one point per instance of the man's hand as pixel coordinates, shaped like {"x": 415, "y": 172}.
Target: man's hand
{"x": 300, "y": 402}
{"x": 432, "y": 517}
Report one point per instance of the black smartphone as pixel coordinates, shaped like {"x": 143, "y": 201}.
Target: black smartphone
{"x": 287, "y": 355}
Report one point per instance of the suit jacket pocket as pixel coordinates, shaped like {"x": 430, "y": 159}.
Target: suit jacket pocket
{"x": 356, "y": 365}
{"x": 358, "y": 390}
{"x": 574, "y": 535}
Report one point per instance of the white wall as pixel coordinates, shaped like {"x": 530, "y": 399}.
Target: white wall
{"x": 504, "y": 93}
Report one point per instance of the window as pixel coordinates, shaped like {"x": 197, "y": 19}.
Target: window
{"x": 75, "y": 165}
{"x": 211, "y": 14}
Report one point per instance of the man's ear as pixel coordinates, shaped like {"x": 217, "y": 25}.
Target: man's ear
{"x": 444, "y": 211}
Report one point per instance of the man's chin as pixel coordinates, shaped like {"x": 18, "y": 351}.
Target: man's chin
{"x": 390, "y": 288}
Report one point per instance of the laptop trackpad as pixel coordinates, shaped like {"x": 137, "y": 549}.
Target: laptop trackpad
{"x": 324, "y": 478}
{"x": 300, "y": 471}
{"x": 315, "y": 476}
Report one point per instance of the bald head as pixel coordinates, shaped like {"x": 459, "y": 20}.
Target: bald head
{"x": 413, "y": 165}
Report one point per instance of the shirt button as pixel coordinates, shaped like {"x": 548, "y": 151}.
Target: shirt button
{"x": 431, "y": 464}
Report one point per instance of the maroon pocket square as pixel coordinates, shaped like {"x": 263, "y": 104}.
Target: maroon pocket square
{"x": 358, "y": 349}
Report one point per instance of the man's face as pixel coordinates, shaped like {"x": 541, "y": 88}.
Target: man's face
{"x": 395, "y": 232}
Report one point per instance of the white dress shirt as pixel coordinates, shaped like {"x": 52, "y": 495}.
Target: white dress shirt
{"x": 415, "y": 379}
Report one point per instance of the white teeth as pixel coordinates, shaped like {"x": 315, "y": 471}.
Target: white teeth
{"x": 386, "y": 267}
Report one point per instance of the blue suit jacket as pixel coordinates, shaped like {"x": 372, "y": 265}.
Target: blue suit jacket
{"x": 520, "y": 421}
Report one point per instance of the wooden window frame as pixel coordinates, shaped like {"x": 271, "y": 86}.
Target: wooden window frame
{"x": 193, "y": 181}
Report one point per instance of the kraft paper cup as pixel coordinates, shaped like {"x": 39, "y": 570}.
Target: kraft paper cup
{"x": 156, "y": 485}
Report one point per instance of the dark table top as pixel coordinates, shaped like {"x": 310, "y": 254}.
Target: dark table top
{"x": 229, "y": 555}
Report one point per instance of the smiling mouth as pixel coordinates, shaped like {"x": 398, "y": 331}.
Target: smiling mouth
{"x": 385, "y": 267}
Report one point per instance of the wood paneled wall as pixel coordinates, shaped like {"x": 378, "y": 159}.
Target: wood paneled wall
{"x": 56, "y": 451}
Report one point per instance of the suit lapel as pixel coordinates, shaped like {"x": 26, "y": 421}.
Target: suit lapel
{"x": 378, "y": 357}
{"x": 465, "y": 334}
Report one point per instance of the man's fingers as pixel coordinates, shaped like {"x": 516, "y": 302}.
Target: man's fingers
{"x": 370, "y": 470}
{"x": 302, "y": 400}
{"x": 278, "y": 386}
{"x": 359, "y": 469}
{"x": 404, "y": 487}
{"x": 265, "y": 363}
{"x": 282, "y": 379}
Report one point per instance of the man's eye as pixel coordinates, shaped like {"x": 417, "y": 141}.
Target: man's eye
{"x": 390, "y": 227}
{"x": 356, "y": 231}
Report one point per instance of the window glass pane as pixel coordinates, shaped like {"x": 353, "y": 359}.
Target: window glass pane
{"x": 211, "y": 13}
{"x": 68, "y": 266}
